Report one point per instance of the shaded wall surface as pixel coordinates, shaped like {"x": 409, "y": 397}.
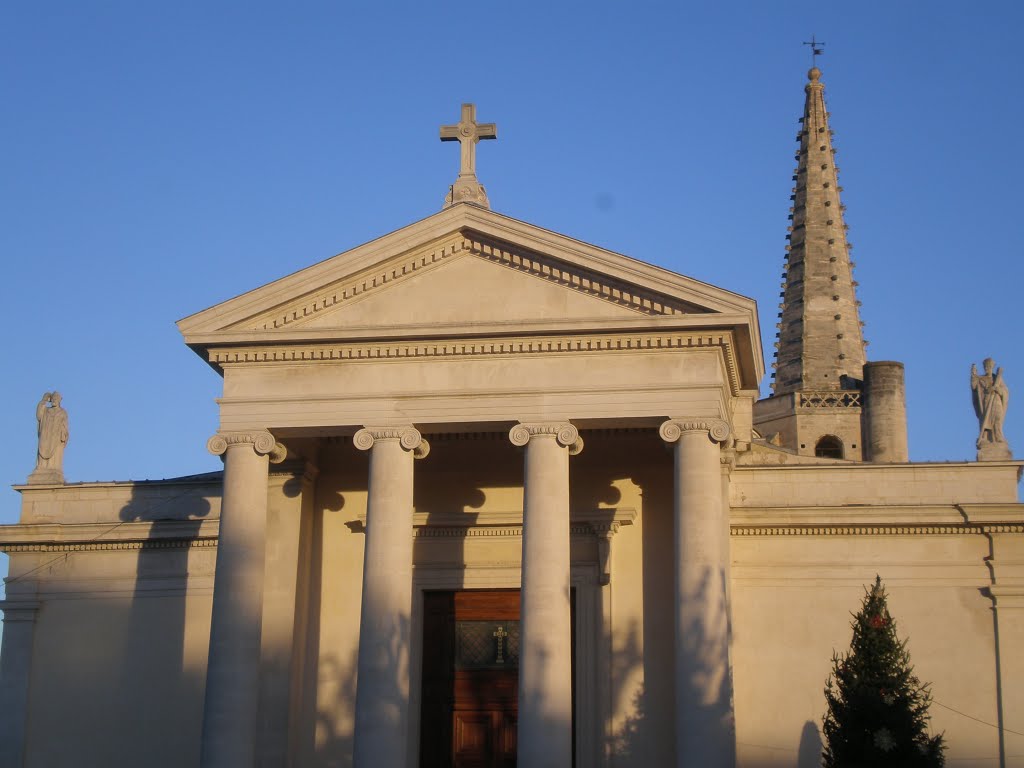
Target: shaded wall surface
{"x": 119, "y": 650}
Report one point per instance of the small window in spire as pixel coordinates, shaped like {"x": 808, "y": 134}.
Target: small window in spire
{"x": 829, "y": 447}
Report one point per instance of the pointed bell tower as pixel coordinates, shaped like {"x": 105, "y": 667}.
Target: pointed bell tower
{"x": 817, "y": 391}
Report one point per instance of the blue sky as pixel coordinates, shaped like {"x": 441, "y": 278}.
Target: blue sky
{"x": 162, "y": 157}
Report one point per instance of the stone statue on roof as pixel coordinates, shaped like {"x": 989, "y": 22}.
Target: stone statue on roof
{"x": 52, "y": 422}
{"x": 991, "y": 397}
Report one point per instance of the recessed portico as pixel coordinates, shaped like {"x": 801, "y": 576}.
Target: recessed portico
{"x": 319, "y": 357}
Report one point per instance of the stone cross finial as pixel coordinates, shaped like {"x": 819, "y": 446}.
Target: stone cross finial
{"x": 467, "y": 189}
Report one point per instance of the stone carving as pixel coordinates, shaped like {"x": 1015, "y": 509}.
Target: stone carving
{"x": 991, "y": 396}
{"x": 566, "y": 434}
{"x": 467, "y": 189}
{"x": 263, "y": 443}
{"x": 673, "y": 429}
{"x": 52, "y": 422}
{"x": 409, "y": 438}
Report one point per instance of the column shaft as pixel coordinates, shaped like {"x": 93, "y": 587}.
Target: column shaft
{"x": 545, "y": 657}
{"x": 382, "y": 692}
{"x": 704, "y": 714}
{"x": 233, "y": 670}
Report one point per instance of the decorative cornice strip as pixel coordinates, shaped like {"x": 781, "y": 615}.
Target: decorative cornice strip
{"x": 351, "y": 288}
{"x": 874, "y": 530}
{"x": 94, "y": 546}
{"x": 492, "y": 531}
{"x": 593, "y": 519}
{"x": 580, "y": 279}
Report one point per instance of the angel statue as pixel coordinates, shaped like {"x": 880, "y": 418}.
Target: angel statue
{"x": 991, "y": 396}
{"x": 52, "y": 422}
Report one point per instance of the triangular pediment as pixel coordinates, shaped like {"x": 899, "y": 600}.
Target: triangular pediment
{"x": 464, "y": 289}
{"x": 462, "y": 267}
{"x": 473, "y": 276}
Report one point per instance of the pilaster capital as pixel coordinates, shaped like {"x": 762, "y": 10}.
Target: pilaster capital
{"x": 562, "y": 431}
{"x": 671, "y": 430}
{"x": 19, "y": 610}
{"x": 262, "y": 442}
{"x": 408, "y": 436}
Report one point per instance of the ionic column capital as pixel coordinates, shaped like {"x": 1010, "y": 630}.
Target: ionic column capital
{"x": 408, "y": 436}
{"x": 562, "y": 431}
{"x": 262, "y": 442}
{"x": 671, "y": 430}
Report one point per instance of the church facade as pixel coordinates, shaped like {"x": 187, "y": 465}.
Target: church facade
{"x": 495, "y": 496}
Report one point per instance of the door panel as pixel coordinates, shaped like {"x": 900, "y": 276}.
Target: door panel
{"x": 470, "y": 679}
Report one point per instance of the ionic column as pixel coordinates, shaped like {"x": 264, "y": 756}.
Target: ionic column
{"x": 704, "y": 714}
{"x": 233, "y": 669}
{"x": 382, "y": 692}
{"x": 545, "y": 652}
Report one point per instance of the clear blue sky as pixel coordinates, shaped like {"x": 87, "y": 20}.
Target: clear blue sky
{"x": 159, "y": 158}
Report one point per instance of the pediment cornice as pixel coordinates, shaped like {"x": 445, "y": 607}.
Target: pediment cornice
{"x": 468, "y": 243}
{"x": 298, "y": 310}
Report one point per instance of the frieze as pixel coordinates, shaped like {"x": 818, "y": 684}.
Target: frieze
{"x": 541, "y": 345}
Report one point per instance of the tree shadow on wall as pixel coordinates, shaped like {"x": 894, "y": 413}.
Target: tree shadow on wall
{"x": 629, "y": 743}
{"x": 337, "y": 683}
{"x": 159, "y": 686}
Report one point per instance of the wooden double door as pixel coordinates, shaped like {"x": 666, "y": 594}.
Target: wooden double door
{"x": 470, "y": 679}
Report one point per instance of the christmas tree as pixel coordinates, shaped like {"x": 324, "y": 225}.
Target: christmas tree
{"x": 877, "y": 708}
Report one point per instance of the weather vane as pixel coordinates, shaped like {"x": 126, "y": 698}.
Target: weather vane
{"x": 817, "y": 48}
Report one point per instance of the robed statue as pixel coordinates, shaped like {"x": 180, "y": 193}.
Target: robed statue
{"x": 52, "y": 422}
{"x": 991, "y": 396}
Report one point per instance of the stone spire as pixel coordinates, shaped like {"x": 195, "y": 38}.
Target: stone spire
{"x": 820, "y": 343}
